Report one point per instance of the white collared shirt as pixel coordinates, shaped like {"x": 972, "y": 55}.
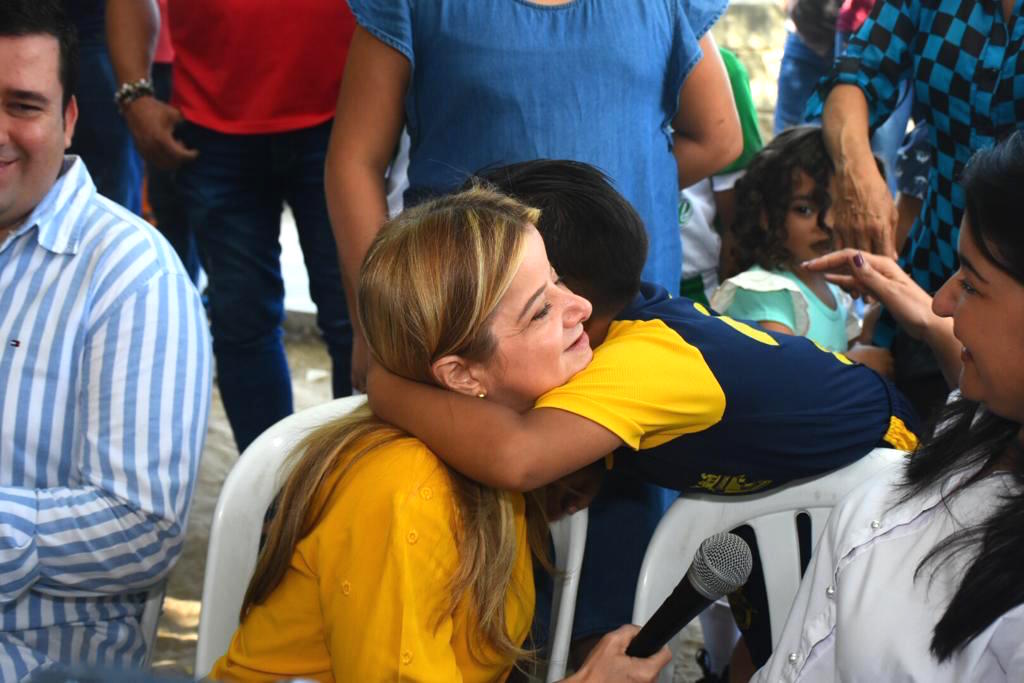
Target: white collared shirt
{"x": 104, "y": 393}
{"x": 861, "y": 616}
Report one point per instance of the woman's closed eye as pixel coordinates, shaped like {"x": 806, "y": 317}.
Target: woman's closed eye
{"x": 542, "y": 313}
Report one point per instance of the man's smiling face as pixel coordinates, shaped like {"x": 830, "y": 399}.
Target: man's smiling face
{"x": 35, "y": 128}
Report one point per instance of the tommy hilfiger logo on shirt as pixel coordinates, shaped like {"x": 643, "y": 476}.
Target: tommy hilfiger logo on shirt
{"x": 15, "y": 343}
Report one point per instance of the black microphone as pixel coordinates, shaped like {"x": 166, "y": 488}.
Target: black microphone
{"x": 721, "y": 564}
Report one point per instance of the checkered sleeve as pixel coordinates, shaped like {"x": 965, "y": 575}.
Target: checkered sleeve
{"x": 878, "y": 58}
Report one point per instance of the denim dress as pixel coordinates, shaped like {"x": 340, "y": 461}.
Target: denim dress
{"x": 503, "y": 81}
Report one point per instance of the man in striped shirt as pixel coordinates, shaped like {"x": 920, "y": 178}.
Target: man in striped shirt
{"x": 104, "y": 379}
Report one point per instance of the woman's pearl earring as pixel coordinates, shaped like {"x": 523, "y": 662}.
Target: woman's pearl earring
{"x": 482, "y": 394}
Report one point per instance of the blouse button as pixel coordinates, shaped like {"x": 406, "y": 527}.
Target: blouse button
{"x": 406, "y": 657}
{"x": 426, "y": 493}
{"x": 793, "y": 658}
{"x": 412, "y": 537}
{"x": 830, "y": 592}
{"x": 346, "y": 587}
{"x": 875, "y": 524}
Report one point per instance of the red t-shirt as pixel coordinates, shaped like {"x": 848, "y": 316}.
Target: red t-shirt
{"x": 258, "y": 66}
{"x": 164, "y": 48}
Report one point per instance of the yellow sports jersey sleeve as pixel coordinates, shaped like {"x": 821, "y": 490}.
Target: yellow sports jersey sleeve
{"x": 646, "y": 384}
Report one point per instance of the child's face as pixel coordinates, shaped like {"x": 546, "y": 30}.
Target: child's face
{"x": 805, "y": 238}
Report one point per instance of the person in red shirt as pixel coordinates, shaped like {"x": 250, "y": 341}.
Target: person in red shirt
{"x": 165, "y": 200}
{"x": 255, "y": 88}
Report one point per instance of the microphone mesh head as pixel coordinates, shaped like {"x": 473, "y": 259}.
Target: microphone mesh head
{"x": 721, "y": 564}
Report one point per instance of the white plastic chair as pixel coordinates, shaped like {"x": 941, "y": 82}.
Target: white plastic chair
{"x": 569, "y": 536}
{"x": 772, "y": 515}
{"x": 248, "y": 491}
{"x": 151, "y": 617}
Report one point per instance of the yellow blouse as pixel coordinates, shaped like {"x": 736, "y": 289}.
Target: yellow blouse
{"x": 362, "y": 598}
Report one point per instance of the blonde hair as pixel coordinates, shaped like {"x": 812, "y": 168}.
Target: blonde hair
{"x": 429, "y": 286}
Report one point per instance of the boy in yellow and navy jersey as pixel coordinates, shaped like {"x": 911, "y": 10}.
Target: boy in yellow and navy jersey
{"x": 685, "y": 398}
{"x": 705, "y": 401}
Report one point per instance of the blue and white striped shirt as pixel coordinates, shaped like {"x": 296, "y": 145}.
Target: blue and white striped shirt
{"x": 105, "y": 377}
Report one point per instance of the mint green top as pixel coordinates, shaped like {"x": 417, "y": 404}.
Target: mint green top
{"x": 827, "y": 325}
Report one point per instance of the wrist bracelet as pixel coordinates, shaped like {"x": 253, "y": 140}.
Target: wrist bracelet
{"x": 129, "y": 92}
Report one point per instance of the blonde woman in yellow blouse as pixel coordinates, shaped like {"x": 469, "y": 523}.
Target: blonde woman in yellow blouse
{"x": 382, "y": 563}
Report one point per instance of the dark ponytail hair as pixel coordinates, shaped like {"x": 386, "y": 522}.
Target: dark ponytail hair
{"x": 968, "y": 437}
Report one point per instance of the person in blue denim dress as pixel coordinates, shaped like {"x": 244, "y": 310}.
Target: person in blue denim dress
{"x": 636, "y": 89}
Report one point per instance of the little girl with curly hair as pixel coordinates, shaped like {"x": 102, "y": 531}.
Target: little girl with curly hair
{"x": 783, "y": 219}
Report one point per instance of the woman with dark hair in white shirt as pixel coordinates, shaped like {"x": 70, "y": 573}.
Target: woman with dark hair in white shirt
{"x": 919, "y": 575}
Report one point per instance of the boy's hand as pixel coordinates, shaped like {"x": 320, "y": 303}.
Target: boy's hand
{"x": 573, "y": 492}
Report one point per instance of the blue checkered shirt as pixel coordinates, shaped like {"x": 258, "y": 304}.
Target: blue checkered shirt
{"x": 967, "y": 70}
{"x": 105, "y": 370}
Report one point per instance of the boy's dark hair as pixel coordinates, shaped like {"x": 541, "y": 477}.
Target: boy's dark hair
{"x": 764, "y": 193}
{"x": 47, "y": 17}
{"x": 594, "y": 237}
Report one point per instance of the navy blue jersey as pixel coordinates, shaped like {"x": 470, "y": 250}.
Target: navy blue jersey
{"x": 705, "y": 401}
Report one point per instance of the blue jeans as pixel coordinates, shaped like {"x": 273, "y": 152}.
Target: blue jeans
{"x": 166, "y": 198}
{"x": 235, "y": 192}
{"x": 101, "y": 137}
{"x": 888, "y": 137}
{"x": 799, "y": 73}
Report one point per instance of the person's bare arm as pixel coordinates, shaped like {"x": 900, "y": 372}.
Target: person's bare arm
{"x": 707, "y": 129}
{"x": 882, "y": 278}
{"x": 875, "y": 357}
{"x": 487, "y": 442}
{"x": 367, "y": 124}
{"x": 864, "y": 214}
{"x": 132, "y": 30}
{"x": 773, "y": 326}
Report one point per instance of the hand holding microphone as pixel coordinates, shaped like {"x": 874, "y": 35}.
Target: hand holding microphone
{"x": 721, "y": 564}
